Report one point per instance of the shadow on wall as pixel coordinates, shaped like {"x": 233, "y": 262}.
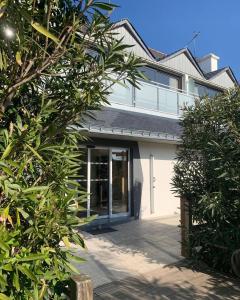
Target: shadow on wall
{"x": 176, "y": 282}
{"x": 137, "y": 190}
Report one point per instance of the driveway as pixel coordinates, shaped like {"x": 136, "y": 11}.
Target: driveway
{"x": 131, "y": 249}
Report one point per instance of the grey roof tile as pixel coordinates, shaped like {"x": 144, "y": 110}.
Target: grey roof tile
{"x": 212, "y": 74}
{"x": 128, "y": 120}
{"x": 157, "y": 54}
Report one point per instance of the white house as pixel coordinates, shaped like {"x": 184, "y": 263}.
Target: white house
{"x": 130, "y": 154}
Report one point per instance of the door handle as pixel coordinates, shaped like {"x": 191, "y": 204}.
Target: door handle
{"x": 154, "y": 180}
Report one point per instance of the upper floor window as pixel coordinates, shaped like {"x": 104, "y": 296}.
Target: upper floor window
{"x": 163, "y": 78}
{"x": 202, "y": 90}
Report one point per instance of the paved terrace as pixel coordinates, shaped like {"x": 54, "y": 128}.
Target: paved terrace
{"x": 133, "y": 249}
{"x": 141, "y": 260}
{"x": 179, "y": 281}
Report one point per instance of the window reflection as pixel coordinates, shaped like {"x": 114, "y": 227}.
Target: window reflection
{"x": 99, "y": 199}
{"x": 166, "y": 79}
{"x": 202, "y": 90}
{"x": 119, "y": 181}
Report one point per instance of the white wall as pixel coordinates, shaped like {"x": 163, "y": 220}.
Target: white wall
{"x": 224, "y": 80}
{"x": 130, "y": 40}
{"x": 165, "y": 203}
{"x": 182, "y": 63}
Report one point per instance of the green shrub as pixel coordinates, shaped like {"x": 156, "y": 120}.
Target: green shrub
{"x": 55, "y": 65}
{"x": 208, "y": 175}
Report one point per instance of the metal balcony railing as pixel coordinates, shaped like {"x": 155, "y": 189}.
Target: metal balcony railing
{"x": 151, "y": 96}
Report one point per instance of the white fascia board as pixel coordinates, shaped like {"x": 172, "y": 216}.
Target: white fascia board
{"x": 136, "y": 134}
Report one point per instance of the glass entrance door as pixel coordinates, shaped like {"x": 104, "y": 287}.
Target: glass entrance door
{"x": 119, "y": 181}
{"x": 107, "y": 181}
{"x": 99, "y": 183}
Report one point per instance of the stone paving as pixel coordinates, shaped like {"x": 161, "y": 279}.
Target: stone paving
{"x": 136, "y": 247}
{"x": 179, "y": 281}
{"x": 141, "y": 260}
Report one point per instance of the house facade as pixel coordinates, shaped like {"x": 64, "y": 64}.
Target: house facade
{"x": 129, "y": 156}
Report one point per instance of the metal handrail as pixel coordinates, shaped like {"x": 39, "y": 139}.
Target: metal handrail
{"x": 167, "y": 87}
{"x": 161, "y": 85}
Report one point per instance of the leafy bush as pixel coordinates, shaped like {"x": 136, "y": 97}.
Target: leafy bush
{"x": 57, "y": 60}
{"x": 208, "y": 175}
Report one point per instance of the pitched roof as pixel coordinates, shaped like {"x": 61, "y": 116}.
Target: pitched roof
{"x": 213, "y": 74}
{"x": 136, "y": 35}
{"x": 115, "y": 119}
{"x": 188, "y": 54}
{"x": 161, "y": 57}
{"x": 157, "y": 54}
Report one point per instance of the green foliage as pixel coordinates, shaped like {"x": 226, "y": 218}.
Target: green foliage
{"x": 208, "y": 174}
{"x": 60, "y": 63}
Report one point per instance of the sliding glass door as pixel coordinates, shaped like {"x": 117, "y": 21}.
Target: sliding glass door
{"x": 119, "y": 181}
{"x": 106, "y": 178}
{"x": 99, "y": 182}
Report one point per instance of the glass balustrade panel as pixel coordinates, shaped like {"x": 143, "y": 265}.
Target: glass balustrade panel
{"x": 168, "y": 101}
{"x": 122, "y": 94}
{"x": 147, "y": 96}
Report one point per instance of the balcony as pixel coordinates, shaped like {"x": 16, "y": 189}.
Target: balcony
{"x": 152, "y": 97}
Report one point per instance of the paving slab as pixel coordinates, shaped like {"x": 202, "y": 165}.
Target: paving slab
{"x": 178, "y": 281}
{"x": 136, "y": 247}
{"x": 141, "y": 260}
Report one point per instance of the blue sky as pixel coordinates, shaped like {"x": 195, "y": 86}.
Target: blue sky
{"x": 168, "y": 25}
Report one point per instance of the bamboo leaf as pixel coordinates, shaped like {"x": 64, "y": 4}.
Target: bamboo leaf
{"x": 35, "y": 189}
{"x": 23, "y": 213}
{"x": 43, "y": 291}
{"x": 4, "y": 297}
{"x": 3, "y": 281}
{"x": 35, "y": 153}
{"x": 104, "y": 6}
{"x": 7, "y": 267}
{"x": 44, "y": 31}
{"x": 35, "y": 293}
{"x": 8, "y": 171}
{"x": 18, "y": 58}
{"x": 76, "y": 258}
{"x": 7, "y": 151}
{"x": 32, "y": 257}
{"x": 16, "y": 281}
{"x": 66, "y": 242}
{"x": 4, "y": 246}
{"x": 72, "y": 268}
{"x": 18, "y": 218}
{"x": 27, "y": 272}
{"x": 6, "y": 212}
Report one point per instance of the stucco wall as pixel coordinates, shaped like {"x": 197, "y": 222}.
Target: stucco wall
{"x": 165, "y": 203}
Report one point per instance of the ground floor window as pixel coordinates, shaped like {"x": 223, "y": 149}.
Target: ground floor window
{"x": 105, "y": 176}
